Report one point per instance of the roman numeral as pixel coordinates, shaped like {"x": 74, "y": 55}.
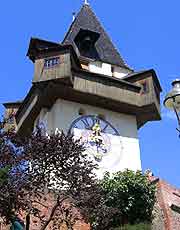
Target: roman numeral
{"x": 86, "y": 123}
{"x": 95, "y": 120}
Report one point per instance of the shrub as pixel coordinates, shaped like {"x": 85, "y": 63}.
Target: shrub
{"x": 132, "y": 194}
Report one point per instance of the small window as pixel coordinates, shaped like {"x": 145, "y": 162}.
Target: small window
{"x": 51, "y": 62}
{"x": 175, "y": 208}
{"x": 176, "y": 194}
{"x": 157, "y": 93}
{"x": 145, "y": 88}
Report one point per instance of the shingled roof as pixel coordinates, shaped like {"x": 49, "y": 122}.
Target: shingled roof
{"x": 87, "y": 20}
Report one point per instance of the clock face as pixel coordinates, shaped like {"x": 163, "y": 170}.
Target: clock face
{"x": 90, "y": 121}
{"x": 96, "y": 134}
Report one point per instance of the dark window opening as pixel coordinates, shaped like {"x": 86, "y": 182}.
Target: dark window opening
{"x": 85, "y": 41}
{"x": 51, "y": 62}
{"x": 176, "y": 194}
{"x": 175, "y": 208}
{"x": 145, "y": 87}
{"x": 112, "y": 70}
{"x": 157, "y": 93}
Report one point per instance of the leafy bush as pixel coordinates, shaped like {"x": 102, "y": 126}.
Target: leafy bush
{"x": 3, "y": 175}
{"x": 132, "y": 194}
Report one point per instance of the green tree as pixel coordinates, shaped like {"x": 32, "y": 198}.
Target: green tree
{"x": 3, "y": 175}
{"x": 132, "y": 194}
{"x": 34, "y": 168}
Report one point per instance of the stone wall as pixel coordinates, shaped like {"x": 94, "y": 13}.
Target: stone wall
{"x": 166, "y": 217}
{"x": 45, "y": 205}
{"x": 166, "y": 211}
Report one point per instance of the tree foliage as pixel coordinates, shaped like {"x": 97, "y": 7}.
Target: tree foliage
{"x": 132, "y": 194}
{"x": 56, "y": 167}
{"x": 40, "y": 167}
{"x": 3, "y": 175}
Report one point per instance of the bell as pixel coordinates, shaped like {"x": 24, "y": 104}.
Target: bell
{"x": 87, "y": 43}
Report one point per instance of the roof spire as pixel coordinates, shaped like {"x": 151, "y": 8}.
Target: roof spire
{"x": 86, "y": 2}
{"x": 86, "y": 21}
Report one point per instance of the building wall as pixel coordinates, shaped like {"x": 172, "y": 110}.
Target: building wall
{"x": 61, "y": 70}
{"x": 158, "y": 222}
{"x": 100, "y": 68}
{"x": 167, "y": 196}
{"x": 125, "y": 152}
{"x": 119, "y": 72}
{"x": 45, "y": 206}
{"x": 106, "y": 69}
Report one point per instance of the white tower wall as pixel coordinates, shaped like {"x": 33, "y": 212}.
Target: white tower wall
{"x": 125, "y": 149}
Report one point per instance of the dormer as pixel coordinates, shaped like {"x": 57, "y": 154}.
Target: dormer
{"x": 51, "y": 60}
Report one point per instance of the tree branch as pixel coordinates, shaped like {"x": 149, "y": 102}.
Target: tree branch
{"x": 53, "y": 212}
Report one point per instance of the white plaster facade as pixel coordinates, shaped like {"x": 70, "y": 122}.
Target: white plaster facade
{"x": 126, "y": 151}
{"x": 107, "y": 69}
{"x": 119, "y": 72}
{"x": 100, "y": 68}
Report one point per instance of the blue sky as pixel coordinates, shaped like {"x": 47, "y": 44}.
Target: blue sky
{"x": 145, "y": 32}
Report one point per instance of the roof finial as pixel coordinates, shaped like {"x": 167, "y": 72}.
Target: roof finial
{"x": 86, "y": 2}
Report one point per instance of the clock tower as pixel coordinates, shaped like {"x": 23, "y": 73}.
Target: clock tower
{"x": 83, "y": 86}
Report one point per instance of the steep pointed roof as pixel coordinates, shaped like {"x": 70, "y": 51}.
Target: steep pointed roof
{"x": 87, "y": 20}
